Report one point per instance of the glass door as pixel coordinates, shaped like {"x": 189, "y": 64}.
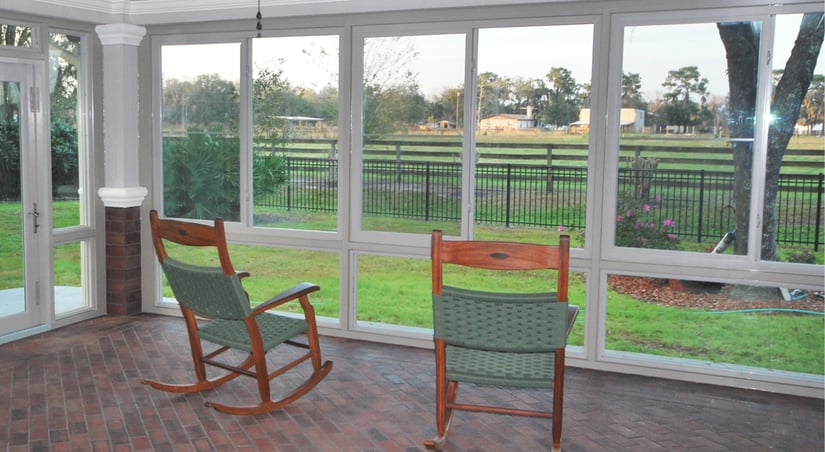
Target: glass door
{"x": 20, "y": 306}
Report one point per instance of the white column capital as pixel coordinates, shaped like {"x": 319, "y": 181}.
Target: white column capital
{"x": 120, "y": 34}
{"x": 122, "y": 196}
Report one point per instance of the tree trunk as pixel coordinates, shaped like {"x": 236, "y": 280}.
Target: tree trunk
{"x": 741, "y": 41}
{"x": 787, "y": 102}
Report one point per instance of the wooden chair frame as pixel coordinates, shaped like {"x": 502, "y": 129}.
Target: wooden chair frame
{"x": 202, "y": 235}
{"x": 497, "y": 255}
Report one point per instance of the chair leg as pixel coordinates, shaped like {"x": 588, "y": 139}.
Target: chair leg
{"x": 444, "y": 418}
{"x": 445, "y": 393}
{"x": 558, "y": 399}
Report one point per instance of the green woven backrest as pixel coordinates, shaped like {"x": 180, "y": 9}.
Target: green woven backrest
{"x": 500, "y": 321}
{"x": 207, "y": 290}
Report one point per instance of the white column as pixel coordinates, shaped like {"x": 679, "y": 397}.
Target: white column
{"x": 120, "y": 114}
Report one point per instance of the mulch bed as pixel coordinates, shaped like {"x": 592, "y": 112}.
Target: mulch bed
{"x": 711, "y": 296}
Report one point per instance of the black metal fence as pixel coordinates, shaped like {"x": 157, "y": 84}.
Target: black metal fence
{"x": 699, "y": 202}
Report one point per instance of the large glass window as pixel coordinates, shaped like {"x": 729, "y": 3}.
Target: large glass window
{"x": 412, "y": 131}
{"x": 200, "y": 116}
{"x": 71, "y": 178}
{"x": 295, "y": 132}
{"x": 688, "y": 321}
{"x": 792, "y": 227}
{"x": 385, "y": 298}
{"x": 691, "y": 144}
{"x": 681, "y": 184}
{"x": 65, "y": 76}
{"x": 532, "y": 146}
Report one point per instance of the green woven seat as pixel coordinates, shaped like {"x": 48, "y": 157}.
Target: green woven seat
{"x": 514, "y": 340}
{"x": 217, "y": 310}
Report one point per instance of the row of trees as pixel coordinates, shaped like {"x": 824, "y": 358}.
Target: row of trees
{"x": 556, "y": 101}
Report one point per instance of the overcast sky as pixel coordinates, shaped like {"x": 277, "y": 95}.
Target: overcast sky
{"x": 529, "y": 53}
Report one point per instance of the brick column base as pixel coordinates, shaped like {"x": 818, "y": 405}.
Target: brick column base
{"x": 123, "y": 277}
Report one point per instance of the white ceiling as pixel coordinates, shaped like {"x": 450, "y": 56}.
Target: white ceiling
{"x": 149, "y": 12}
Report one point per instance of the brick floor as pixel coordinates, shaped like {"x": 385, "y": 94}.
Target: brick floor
{"x": 78, "y": 388}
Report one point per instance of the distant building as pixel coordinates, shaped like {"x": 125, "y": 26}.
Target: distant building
{"x": 443, "y": 124}
{"x": 509, "y": 121}
{"x": 631, "y": 120}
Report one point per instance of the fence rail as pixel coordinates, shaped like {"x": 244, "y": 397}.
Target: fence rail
{"x": 699, "y": 201}
{"x": 550, "y": 154}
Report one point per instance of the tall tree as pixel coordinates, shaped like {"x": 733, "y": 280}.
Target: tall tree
{"x": 214, "y": 102}
{"x": 493, "y": 90}
{"x": 64, "y": 59}
{"x": 815, "y": 103}
{"x": 741, "y": 41}
{"x": 684, "y": 84}
{"x": 631, "y": 90}
{"x": 563, "y": 98}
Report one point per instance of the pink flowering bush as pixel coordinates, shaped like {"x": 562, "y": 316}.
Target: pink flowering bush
{"x": 638, "y": 226}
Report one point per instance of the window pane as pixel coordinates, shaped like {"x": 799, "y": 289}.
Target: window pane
{"x": 13, "y": 35}
{"x": 394, "y": 291}
{"x": 412, "y": 133}
{"x": 200, "y": 114}
{"x": 794, "y": 208}
{"x": 295, "y": 161}
{"x": 533, "y": 91}
{"x": 65, "y": 75}
{"x": 759, "y": 327}
{"x": 69, "y": 261}
{"x": 685, "y": 142}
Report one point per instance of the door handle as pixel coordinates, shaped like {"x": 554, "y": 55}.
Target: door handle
{"x": 34, "y": 215}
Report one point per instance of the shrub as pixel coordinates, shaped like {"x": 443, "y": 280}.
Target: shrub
{"x": 639, "y": 226}
{"x": 202, "y": 176}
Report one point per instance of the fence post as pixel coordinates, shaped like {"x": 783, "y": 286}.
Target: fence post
{"x": 332, "y": 176}
{"x": 289, "y": 184}
{"x": 507, "y": 205}
{"x": 701, "y": 205}
{"x": 549, "y": 168}
{"x": 427, "y": 192}
{"x": 398, "y": 164}
{"x": 818, "y": 213}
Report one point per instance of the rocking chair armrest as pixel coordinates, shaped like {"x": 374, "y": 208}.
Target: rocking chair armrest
{"x": 293, "y": 293}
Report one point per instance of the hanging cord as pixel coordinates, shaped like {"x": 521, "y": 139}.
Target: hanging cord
{"x": 258, "y": 16}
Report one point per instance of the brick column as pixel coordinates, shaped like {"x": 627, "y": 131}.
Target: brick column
{"x": 123, "y": 277}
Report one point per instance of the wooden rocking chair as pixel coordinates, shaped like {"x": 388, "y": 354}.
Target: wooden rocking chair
{"x": 500, "y": 339}
{"x": 216, "y": 295}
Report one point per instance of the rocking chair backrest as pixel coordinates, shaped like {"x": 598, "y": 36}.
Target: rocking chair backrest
{"x": 506, "y": 322}
{"x": 207, "y": 291}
